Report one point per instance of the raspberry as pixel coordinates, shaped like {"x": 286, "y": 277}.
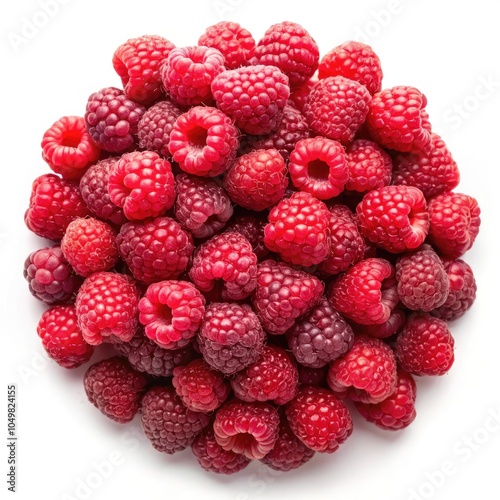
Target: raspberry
{"x": 94, "y": 191}
{"x": 369, "y": 166}
{"x": 422, "y": 280}
{"x": 289, "y": 47}
{"x": 353, "y": 60}
{"x": 114, "y": 388}
{"x": 319, "y": 166}
{"x": 273, "y": 377}
{"x": 54, "y": 203}
{"x": 300, "y": 94}
{"x": 398, "y": 410}
{"x": 187, "y": 73}
{"x": 366, "y": 373}
{"x": 257, "y": 180}
{"x": 67, "y": 147}
{"x": 89, "y": 246}
{"x": 454, "y": 223}
{"x": 204, "y": 141}
{"x": 247, "y": 428}
{"x": 167, "y": 423}
{"x": 433, "y": 173}
{"x": 366, "y": 292}
{"x": 298, "y": 230}
{"x": 106, "y": 306}
{"x": 212, "y": 457}
{"x": 319, "y": 419}
{"x": 288, "y": 452}
{"x": 153, "y": 131}
{"x": 137, "y": 62}
{"x": 226, "y": 265}
{"x": 231, "y": 337}
{"x": 391, "y": 327}
{"x": 50, "y": 277}
{"x": 312, "y": 376}
{"x": 252, "y": 228}
{"x": 112, "y": 119}
{"x": 283, "y": 294}
{"x": 145, "y": 355}
{"x": 425, "y": 346}
{"x": 61, "y": 337}
{"x": 235, "y": 43}
{"x": 462, "y": 293}
{"x": 395, "y": 218}
{"x": 171, "y": 312}
{"x": 322, "y": 336}
{"x": 201, "y": 206}
{"x": 396, "y": 119}
{"x": 142, "y": 184}
{"x": 199, "y": 387}
{"x": 155, "y": 249}
{"x": 254, "y": 97}
{"x": 337, "y": 107}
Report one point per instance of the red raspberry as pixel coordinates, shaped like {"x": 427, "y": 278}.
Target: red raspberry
{"x": 94, "y": 190}
{"x": 283, "y": 294}
{"x": 187, "y": 73}
{"x": 257, "y": 180}
{"x": 298, "y": 230}
{"x": 462, "y": 292}
{"x": 369, "y": 166}
{"x": 395, "y": 218}
{"x": 254, "y": 97}
{"x": 425, "y": 346}
{"x": 155, "y": 249}
{"x": 61, "y": 337}
{"x": 67, "y": 147}
{"x": 319, "y": 166}
{"x": 247, "y": 428}
{"x": 366, "y": 373}
{"x": 353, "y": 60}
{"x": 322, "y": 336}
{"x": 312, "y": 376}
{"x": 398, "y": 410}
{"x": 273, "y": 377}
{"x": 142, "y": 184}
{"x": 391, "y": 327}
{"x": 300, "y": 94}
{"x": 153, "y": 131}
{"x": 212, "y": 457}
{"x": 235, "y": 43}
{"x": 454, "y": 223}
{"x": 201, "y": 206}
{"x": 106, "y": 306}
{"x": 288, "y": 452}
{"x": 319, "y": 419}
{"x": 422, "y": 280}
{"x": 114, "y": 388}
{"x": 366, "y": 292}
{"x": 289, "y": 47}
{"x": 137, "y": 62}
{"x": 226, "y": 265}
{"x": 112, "y": 119}
{"x": 171, "y": 312}
{"x": 231, "y": 337}
{"x": 89, "y": 246}
{"x": 54, "y": 203}
{"x": 199, "y": 387}
{"x": 433, "y": 173}
{"x": 396, "y": 119}
{"x": 50, "y": 277}
{"x": 252, "y": 228}
{"x": 337, "y": 107}
{"x": 167, "y": 423}
{"x": 204, "y": 141}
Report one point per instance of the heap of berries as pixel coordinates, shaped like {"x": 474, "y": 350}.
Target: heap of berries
{"x": 270, "y": 240}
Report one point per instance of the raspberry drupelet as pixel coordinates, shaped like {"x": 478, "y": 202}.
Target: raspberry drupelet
{"x": 252, "y": 228}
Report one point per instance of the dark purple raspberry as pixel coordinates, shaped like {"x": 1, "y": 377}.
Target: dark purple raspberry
{"x": 252, "y": 228}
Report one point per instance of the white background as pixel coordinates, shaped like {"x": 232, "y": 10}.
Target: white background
{"x": 448, "y": 51}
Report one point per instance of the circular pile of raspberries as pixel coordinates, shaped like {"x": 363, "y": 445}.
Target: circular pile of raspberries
{"x": 270, "y": 241}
